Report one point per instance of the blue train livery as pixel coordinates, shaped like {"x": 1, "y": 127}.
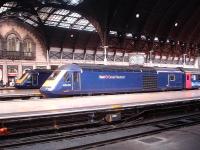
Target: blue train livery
{"x": 76, "y": 79}
{"x": 33, "y": 79}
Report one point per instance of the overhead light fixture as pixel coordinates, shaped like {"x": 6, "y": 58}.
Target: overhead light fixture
{"x": 156, "y": 39}
{"x": 168, "y": 41}
{"x": 129, "y": 35}
{"x": 143, "y": 37}
{"x": 137, "y": 15}
{"x": 176, "y": 24}
{"x": 113, "y": 32}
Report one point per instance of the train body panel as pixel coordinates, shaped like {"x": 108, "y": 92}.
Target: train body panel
{"x": 169, "y": 79}
{"x": 191, "y": 78}
{"x": 77, "y": 80}
{"x": 33, "y": 79}
{"x": 110, "y": 81}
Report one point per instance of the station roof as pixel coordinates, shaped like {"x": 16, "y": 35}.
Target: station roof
{"x": 165, "y": 21}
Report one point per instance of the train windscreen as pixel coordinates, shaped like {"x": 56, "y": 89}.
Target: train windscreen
{"x": 54, "y": 75}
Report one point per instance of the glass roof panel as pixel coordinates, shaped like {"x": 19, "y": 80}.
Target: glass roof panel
{"x": 73, "y": 2}
{"x": 61, "y": 12}
{"x": 78, "y": 27}
{"x": 51, "y": 23}
{"x": 34, "y": 18}
{"x": 2, "y": 9}
{"x": 10, "y": 4}
{"x": 75, "y": 15}
{"x": 28, "y": 21}
{"x": 55, "y": 18}
{"x": 82, "y": 22}
{"x": 89, "y": 28}
{"x": 69, "y": 20}
{"x": 64, "y": 25}
{"x": 43, "y": 16}
{"x": 46, "y": 9}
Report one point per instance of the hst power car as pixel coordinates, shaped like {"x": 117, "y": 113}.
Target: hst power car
{"x": 33, "y": 79}
{"x": 76, "y": 79}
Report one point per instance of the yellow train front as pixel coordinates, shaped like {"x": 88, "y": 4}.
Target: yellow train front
{"x": 33, "y": 79}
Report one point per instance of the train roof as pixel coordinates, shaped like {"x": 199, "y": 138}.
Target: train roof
{"x": 191, "y": 70}
{"x": 80, "y": 67}
{"x": 70, "y": 67}
{"x": 40, "y": 71}
{"x": 158, "y": 69}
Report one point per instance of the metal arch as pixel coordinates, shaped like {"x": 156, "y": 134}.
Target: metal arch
{"x": 170, "y": 16}
{"x": 144, "y": 9}
{"x": 155, "y": 16}
{"x": 188, "y": 27}
{"x": 183, "y": 18}
{"x": 195, "y": 37}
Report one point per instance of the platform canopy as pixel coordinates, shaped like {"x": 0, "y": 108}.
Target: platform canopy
{"x": 140, "y": 22}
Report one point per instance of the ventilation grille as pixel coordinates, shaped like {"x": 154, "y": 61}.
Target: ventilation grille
{"x": 150, "y": 81}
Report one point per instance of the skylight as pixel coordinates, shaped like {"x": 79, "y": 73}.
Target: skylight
{"x": 64, "y": 19}
{"x": 54, "y": 17}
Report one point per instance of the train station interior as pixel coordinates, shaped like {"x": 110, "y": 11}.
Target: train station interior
{"x": 99, "y": 74}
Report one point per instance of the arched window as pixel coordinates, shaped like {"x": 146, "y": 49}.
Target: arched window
{"x": 13, "y": 43}
{"x": 28, "y": 47}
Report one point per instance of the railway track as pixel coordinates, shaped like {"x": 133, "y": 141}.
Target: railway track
{"x": 82, "y": 134}
{"x": 87, "y": 138}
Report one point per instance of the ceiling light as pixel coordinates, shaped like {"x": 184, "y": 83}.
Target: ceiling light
{"x": 156, "y": 39}
{"x": 168, "y": 41}
{"x": 137, "y": 15}
{"x": 176, "y": 24}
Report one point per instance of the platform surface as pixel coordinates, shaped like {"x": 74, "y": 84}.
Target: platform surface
{"x": 10, "y": 109}
{"x": 186, "y": 138}
{"x": 9, "y": 93}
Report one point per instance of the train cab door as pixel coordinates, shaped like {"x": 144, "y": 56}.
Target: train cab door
{"x": 171, "y": 80}
{"x": 34, "y": 79}
{"x": 76, "y": 81}
{"x": 188, "y": 84}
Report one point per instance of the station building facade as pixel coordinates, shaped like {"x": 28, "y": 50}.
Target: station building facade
{"x": 23, "y": 48}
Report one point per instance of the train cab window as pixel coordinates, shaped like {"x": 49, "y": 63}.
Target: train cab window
{"x": 76, "y": 77}
{"x": 198, "y": 77}
{"x": 54, "y": 75}
{"x": 172, "y": 77}
{"x": 67, "y": 77}
{"x": 194, "y": 77}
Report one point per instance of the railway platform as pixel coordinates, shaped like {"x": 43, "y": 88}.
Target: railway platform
{"x": 18, "y": 93}
{"x": 186, "y": 138}
{"x": 41, "y": 107}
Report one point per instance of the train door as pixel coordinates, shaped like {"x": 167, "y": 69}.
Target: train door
{"x": 171, "y": 80}
{"x": 188, "y": 84}
{"x": 76, "y": 81}
{"x": 34, "y": 79}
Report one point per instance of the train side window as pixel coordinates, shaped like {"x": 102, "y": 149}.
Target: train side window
{"x": 67, "y": 77}
{"x": 172, "y": 77}
{"x": 198, "y": 77}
